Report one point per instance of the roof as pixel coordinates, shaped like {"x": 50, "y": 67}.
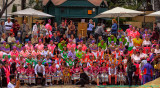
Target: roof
{"x": 96, "y": 2}
{"x": 77, "y": 3}
{"x": 59, "y": 2}
{"x": 55, "y": 2}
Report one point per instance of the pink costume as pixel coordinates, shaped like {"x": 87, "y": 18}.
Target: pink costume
{"x": 134, "y": 34}
{"x": 89, "y": 54}
{"x": 83, "y": 47}
{"x": 103, "y": 69}
{"x": 52, "y": 69}
{"x": 7, "y": 72}
{"x": 24, "y": 53}
{"x": 39, "y": 47}
{"x": 14, "y": 53}
{"x": 86, "y": 69}
{"x": 47, "y": 70}
{"x": 22, "y": 61}
{"x": 99, "y": 53}
{"x": 69, "y": 46}
{"x": 51, "y": 47}
{"x": 94, "y": 70}
{"x": 12, "y": 61}
{"x": 34, "y": 53}
{"x": 30, "y": 71}
{"x": 75, "y": 70}
{"x": 29, "y": 48}
{"x": 21, "y": 70}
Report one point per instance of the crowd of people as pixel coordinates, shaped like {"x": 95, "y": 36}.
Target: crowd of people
{"x": 50, "y": 54}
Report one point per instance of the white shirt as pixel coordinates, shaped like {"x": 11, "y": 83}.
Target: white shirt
{"x": 38, "y": 68}
{"x": 10, "y": 85}
{"x": 137, "y": 59}
{"x": 157, "y": 51}
{"x": 146, "y": 43}
{"x": 35, "y": 29}
{"x": 143, "y": 55}
{"x": 8, "y": 25}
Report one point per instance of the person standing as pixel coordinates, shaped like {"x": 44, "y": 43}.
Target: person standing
{"x": 2, "y": 28}
{"x": 114, "y": 27}
{"x": 8, "y": 25}
{"x": 129, "y": 70}
{"x": 35, "y": 29}
{"x": 99, "y": 31}
{"x": 16, "y": 27}
{"x": 90, "y": 27}
{"x": 24, "y": 29}
{"x": 147, "y": 71}
{"x": 40, "y": 72}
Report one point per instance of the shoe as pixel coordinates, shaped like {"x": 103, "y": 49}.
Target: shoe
{"x": 82, "y": 86}
{"x": 51, "y": 84}
{"x": 46, "y": 84}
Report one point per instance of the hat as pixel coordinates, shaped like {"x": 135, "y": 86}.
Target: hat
{"x": 120, "y": 42}
{"x": 40, "y": 40}
{"x": 49, "y": 20}
{"x": 93, "y": 41}
{"x": 63, "y": 41}
{"x": 112, "y": 35}
{"x": 19, "y": 33}
{"x": 148, "y": 59}
{"x": 108, "y": 29}
{"x": 29, "y": 41}
{"x": 146, "y": 30}
{"x": 130, "y": 26}
{"x": 17, "y": 41}
{"x": 122, "y": 36}
{"x": 4, "y": 42}
{"x": 14, "y": 47}
{"x": 112, "y": 41}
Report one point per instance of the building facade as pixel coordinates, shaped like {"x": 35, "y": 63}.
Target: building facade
{"x": 74, "y": 9}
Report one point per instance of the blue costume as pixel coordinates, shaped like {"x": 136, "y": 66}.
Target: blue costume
{"x": 147, "y": 72}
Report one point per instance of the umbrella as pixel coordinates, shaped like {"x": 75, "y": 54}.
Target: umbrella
{"x": 156, "y": 14}
{"x": 119, "y": 12}
{"x": 31, "y": 12}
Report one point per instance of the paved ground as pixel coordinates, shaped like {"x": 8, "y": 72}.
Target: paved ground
{"x": 152, "y": 84}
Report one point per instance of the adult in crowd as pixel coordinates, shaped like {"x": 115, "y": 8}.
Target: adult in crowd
{"x": 2, "y": 28}
{"x": 71, "y": 28}
{"x": 16, "y": 27}
{"x": 100, "y": 31}
{"x": 90, "y": 27}
{"x": 25, "y": 29}
{"x": 114, "y": 27}
{"x": 8, "y": 25}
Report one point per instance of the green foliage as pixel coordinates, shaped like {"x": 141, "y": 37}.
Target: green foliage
{"x": 14, "y": 8}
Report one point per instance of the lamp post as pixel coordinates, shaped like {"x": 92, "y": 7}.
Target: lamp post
{"x": 144, "y": 5}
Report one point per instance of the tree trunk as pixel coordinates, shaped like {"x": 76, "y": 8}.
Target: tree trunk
{"x": 6, "y": 5}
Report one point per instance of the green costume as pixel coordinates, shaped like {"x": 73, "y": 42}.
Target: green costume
{"x": 30, "y": 61}
{"x": 110, "y": 40}
{"x": 60, "y": 45}
{"x": 103, "y": 46}
{"x": 64, "y": 54}
{"x": 79, "y": 54}
{"x": 70, "y": 62}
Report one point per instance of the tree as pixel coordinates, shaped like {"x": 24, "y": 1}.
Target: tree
{"x": 6, "y": 5}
